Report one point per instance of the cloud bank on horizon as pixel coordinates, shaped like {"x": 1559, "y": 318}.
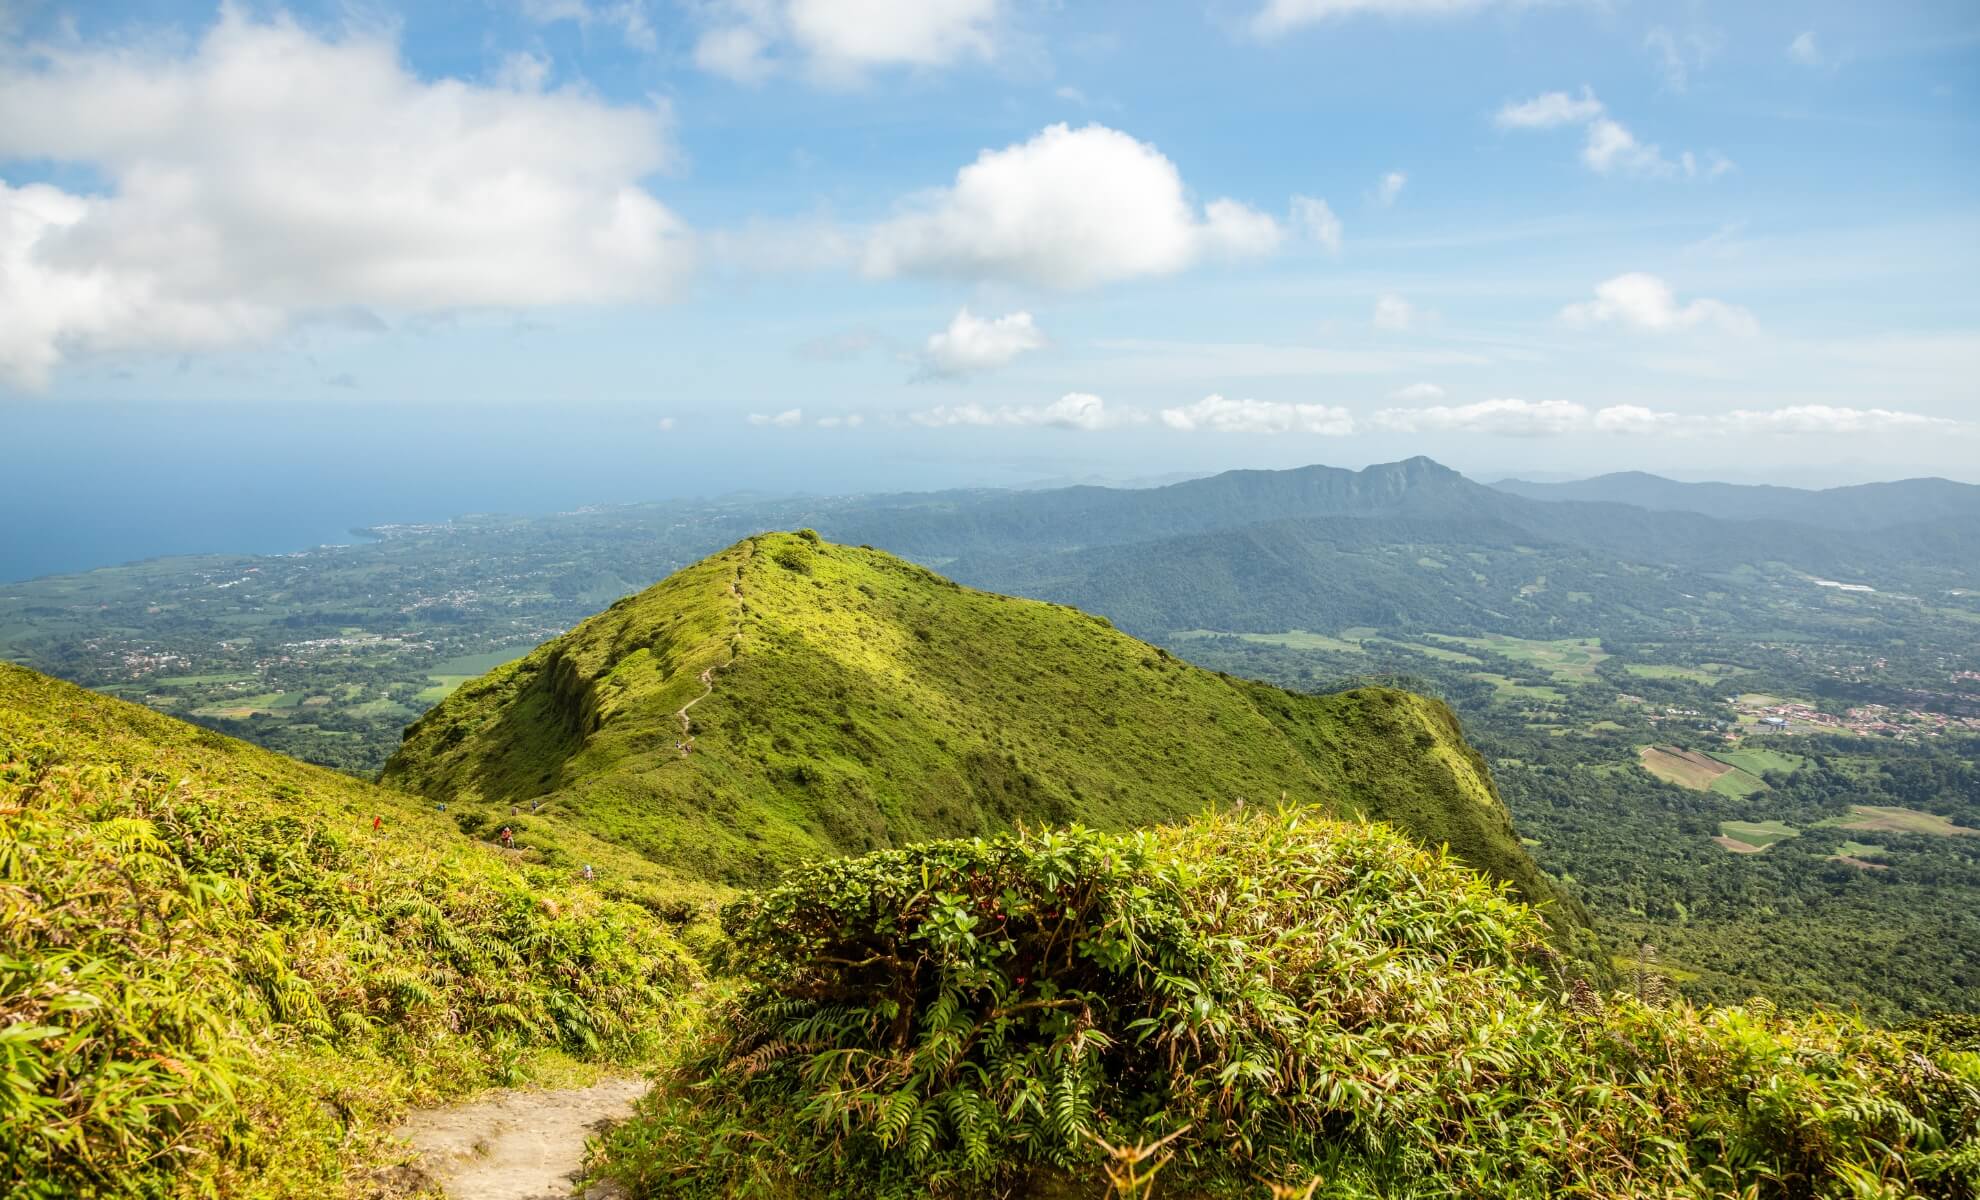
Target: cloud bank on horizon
{"x": 1725, "y": 228}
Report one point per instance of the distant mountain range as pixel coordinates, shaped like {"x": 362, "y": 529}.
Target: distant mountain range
{"x": 1860, "y": 507}
{"x": 1416, "y": 543}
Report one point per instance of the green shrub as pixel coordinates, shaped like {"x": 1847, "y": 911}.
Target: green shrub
{"x": 215, "y": 980}
{"x": 1287, "y": 998}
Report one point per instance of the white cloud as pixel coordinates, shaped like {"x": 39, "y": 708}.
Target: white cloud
{"x": 1218, "y": 415}
{"x": 1503, "y": 418}
{"x": 1074, "y": 410}
{"x": 1393, "y": 313}
{"x": 1313, "y": 218}
{"x": 1071, "y": 208}
{"x": 249, "y": 185}
{"x": 1610, "y": 148}
{"x": 789, "y": 418}
{"x": 1829, "y": 419}
{"x": 1554, "y": 418}
{"x": 1070, "y": 94}
{"x": 1805, "y": 50}
{"x": 1641, "y": 301}
{"x": 971, "y": 343}
{"x": 848, "y": 421}
{"x": 1390, "y": 187}
{"x": 735, "y": 52}
{"x": 1418, "y": 392}
{"x": 1282, "y": 16}
{"x": 1678, "y": 55}
{"x": 839, "y": 41}
{"x": 627, "y": 18}
{"x": 1548, "y": 110}
{"x": 664, "y": 424}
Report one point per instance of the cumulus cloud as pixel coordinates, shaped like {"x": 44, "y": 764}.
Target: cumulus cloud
{"x": 1418, "y": 392}
{"x": 1645, "y": 302}
{"x": 271, "y": 174}
{"x": 1282, "y": 16}
{"x": 1074, "y": 410}
{"x": 1393, "y": 313}
{"x": 1805, "y": 50}
{"x": 788, "y": 419}
{"x": 840, "y": 41}
{"x": 1313, "y": 218}
{"x": 1608, "y": 147}
{"x": 1553, "y": 418}
{"x": 972, "y": 343}
{"x": 1216, "y": 414}
{"x": 1504, "y": 418}
{"x": 1390, "y": 187}
{"x": 1071, "y": 208}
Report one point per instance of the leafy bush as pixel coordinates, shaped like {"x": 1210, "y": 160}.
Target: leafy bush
{"x": 1284, "y": 997}
{"x": 206, "y": 987}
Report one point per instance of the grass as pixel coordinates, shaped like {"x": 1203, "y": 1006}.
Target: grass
{"x": 1704, "y": 673}
{"x": 860, "y": 701}
{"x": 1568, "y": 660}
{"x": 1756, "y": 835}
{"x": 219, "y": 979}
{"x": 1758, "y": 760}
{"x": 1296, "y": 639}
{"x": 1899, "y": 820}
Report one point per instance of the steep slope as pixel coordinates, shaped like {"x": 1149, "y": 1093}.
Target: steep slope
{"x": 790, "y": 698}
{"x": 225, "y": 972}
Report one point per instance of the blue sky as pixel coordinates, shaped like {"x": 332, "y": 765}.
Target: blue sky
{"x": 868, "y": 244}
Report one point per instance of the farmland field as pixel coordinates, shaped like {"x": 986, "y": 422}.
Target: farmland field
{"x": 1751, "y": 837}
{"x": 1686, "y": 768}
{"x": 1899, "y": 820}
{"x": 1758, "y": 760}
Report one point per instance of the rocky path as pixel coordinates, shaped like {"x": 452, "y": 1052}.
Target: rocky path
{"x": 517, "y": 1145}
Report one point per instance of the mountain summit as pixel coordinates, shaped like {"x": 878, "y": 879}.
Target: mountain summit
{"x": 789, "y": 698}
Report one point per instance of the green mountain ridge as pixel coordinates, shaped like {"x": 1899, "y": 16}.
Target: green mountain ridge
{"x": 789, "y": 699}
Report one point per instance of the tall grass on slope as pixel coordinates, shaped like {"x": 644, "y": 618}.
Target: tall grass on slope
{"x": 1287, "y": 999}
{"x": 214, "y": 980}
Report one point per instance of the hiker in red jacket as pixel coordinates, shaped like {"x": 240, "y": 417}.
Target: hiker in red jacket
{"x": 508, "y": 838}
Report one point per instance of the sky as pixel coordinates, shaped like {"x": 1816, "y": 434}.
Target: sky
{"x": 372, "y": 261}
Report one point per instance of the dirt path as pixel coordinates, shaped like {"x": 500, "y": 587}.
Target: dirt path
{"x": 517, "y": 1145}
{"x": 707, "y": 675}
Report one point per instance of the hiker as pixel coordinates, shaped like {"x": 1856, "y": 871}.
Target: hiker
{"x": 587, "y": 873}
{"x": 377, "y": 824}
{"x": 508, "y": 838}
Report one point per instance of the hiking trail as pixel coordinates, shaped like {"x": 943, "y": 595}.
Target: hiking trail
{"x": 517, "y": 1145}
{"x": 707, "y": 676}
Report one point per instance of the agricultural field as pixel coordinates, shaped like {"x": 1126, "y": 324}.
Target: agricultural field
{"x": 1758, "y": 760}
{"x": 1751, "y": 837}
{"x": 1568, "y": 660}
{"x": 1883, "y": 819}
{"x": 452, "y": 673}
{"x": 1701, "y": 772}
{"x": 1704, "y": 674}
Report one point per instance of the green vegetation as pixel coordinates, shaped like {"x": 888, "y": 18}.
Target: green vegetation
{"x": 1269, "y": 1000}
{"x": 217, "y": 978}
{"x": 1746, "y": 836}
{"x": 789, "y": 698}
